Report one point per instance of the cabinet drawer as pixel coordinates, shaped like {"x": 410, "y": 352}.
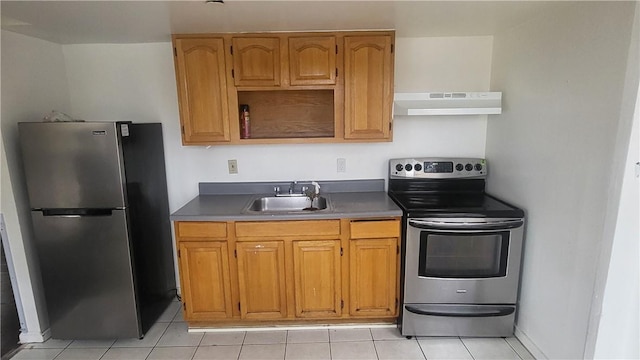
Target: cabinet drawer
{"x": 288, "y": 228}
{"x": 201, "y": 229}
{"x": 375, "y": 229}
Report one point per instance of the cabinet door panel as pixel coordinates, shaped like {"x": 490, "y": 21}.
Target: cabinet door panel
{"x": 371, "y": 229}
{"x": 373, "y": 277}
{"x": 200, "y": 230}
{"x": 202, "y": 90}
{"x": 256, "y": 61}
{"x": 312, "y": 60}
{"x": 205, "y": 280}
{"x": 288, "y": 228}
{"x": 368, "y": 87}
{"x": 316, "y": 271}
{"x": 262, "y": 280}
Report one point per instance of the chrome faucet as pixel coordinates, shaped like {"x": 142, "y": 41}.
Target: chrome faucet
{"x": 292, "y": 190}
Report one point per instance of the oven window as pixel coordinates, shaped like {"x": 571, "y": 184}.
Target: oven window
{"x": 457, "y": 255}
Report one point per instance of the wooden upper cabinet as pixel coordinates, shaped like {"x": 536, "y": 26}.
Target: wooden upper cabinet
{"x": 368, "y": 86}
{"x": 312, "y": 60}
{"x": 202, "y": 90}
{"x": 301, "y": 87}
{"x": 256, "y": 61}
{"x": 206, "y": 287}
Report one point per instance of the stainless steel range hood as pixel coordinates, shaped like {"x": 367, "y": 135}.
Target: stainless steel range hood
{"x": 453, "y": 103}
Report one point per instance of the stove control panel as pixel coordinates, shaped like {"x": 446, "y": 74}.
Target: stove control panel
{"x": 437, "y": 168}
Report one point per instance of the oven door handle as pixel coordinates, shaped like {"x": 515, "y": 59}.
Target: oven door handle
{"x": 501, "y": 224}
{"x": 494, "y": 311}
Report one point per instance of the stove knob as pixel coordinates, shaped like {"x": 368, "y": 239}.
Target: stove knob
{"x": 478, "y": 167}
{"x": 408, "y": 167}
{"x": 399, "y": 167}
{"x": 459, "y": 167}
{"x": 417, "y": 167}
{"x": 468, "y": 167}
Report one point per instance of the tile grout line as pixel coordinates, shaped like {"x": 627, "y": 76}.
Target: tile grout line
{"x": 512, "y": 348}
{"x": 420, "y": 347}
{"x": 69, "y": 344}
{"x": 465, "y": 346}
{"x": 286, "y": 342}
{"x": 374, "y": 344}
{"x": 199, "y": 342}
{"x": 159, "y": 337}
{"x": 244, "y": 336}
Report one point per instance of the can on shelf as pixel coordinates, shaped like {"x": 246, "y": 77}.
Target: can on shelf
{"x": 245, "y": 123}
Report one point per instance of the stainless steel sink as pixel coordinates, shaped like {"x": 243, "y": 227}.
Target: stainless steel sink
{"x": 286, "y": 204}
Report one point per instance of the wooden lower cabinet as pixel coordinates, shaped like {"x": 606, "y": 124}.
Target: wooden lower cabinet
{"x": 261, "y": 278}
{"x": 206, "y": 286}
{"x": 373, "y": 278}
{"x": 327, "y": 271}
{"x": 316, "y": 271}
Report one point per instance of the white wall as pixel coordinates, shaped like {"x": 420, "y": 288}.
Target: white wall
{"x": 618, "y": 331}
{"x": 136, "y": 82}
{"x": 551, "y": 153}
{"x": 614, "y": 330}
{"x": 33, "y": 83}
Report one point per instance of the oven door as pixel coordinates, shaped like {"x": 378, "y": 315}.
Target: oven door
{"x": 462, "y": 261}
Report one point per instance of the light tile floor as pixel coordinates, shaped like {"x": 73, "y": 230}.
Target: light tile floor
{"x": 168, "y": 339}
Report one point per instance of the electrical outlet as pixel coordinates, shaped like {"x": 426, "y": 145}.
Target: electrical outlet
{"x": 342, "y": 165}
{"x": 233, "y": 166}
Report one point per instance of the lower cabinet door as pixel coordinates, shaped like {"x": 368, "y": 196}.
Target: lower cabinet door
{"x": 206, "y": 285}
{"x": 373, "y": 277}
{"x": 316, "y": 271}
{"x": 261, "y": 278}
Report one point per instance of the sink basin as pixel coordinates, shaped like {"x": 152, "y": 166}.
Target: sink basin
{"x": 286, "y": 204}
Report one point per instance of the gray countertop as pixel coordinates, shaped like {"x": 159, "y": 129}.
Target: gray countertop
{"x": 228, "y": 202}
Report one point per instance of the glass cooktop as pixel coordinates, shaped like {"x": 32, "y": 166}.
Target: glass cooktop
{"x": 448, "y": 198}
{"x": 453, "y": 204}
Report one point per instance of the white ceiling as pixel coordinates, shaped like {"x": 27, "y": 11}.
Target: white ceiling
{"x": 77, "y": 22}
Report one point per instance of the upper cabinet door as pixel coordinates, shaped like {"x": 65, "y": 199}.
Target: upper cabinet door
{"x": 256, "y": 61}
{"x": 312, "y": 60}
{"x": 202, "y": 90}
{"x": 368, "y": 86}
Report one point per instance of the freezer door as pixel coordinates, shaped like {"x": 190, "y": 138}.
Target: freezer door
{"x": 73, "y": 165}
{"x": 87, "y": 274}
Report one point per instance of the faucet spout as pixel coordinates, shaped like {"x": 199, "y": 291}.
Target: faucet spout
{"x": 292, "y": 187}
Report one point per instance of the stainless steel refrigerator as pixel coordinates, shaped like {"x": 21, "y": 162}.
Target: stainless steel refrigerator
{"x": 98, "y": 196}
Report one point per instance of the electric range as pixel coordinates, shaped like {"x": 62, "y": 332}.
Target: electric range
{"x": 461, "y": 249}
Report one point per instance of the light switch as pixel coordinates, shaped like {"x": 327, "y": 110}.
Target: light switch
{"x": 342, "y": 165}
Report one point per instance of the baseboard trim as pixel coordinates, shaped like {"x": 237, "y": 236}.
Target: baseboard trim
{"x": 34, "y": 337}
{"x": 291, "y": 327}
{"x": 530, "y": 345}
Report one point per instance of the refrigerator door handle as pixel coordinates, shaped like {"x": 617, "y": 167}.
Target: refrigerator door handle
{"x": 77, "y": 212}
